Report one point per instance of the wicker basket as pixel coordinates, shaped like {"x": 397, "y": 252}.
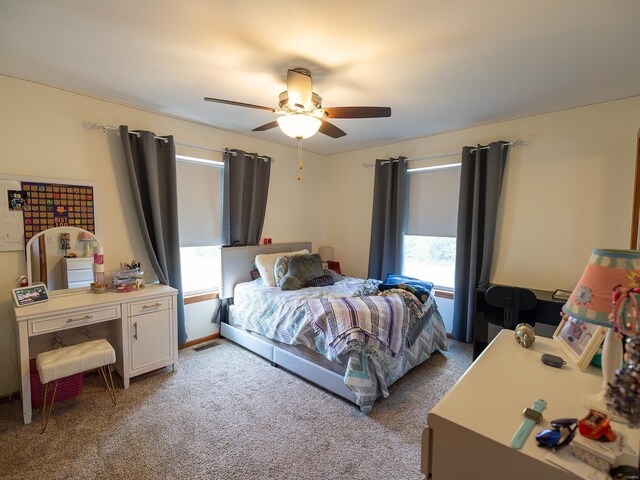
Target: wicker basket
{"x": 68, "y": 387}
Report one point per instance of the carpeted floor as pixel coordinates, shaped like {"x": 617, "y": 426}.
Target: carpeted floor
{"x": 228, "y": 414}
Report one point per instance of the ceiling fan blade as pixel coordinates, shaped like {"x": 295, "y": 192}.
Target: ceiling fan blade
{"x": 357, "y": 112}
{"x": 331, "y": 130}
{"x": 266, "y": 126}
{"x": 299, "y": 87}
{"x": 238, "y": 104}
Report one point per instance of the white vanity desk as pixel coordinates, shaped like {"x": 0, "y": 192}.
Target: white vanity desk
{"x": 141, "y": 325}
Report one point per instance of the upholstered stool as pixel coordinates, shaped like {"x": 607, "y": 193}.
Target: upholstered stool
{"x": 63, "y": 362}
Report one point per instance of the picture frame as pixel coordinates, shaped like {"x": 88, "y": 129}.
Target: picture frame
{"x": 30, "y": 295}
{"x": 579, "y": 340}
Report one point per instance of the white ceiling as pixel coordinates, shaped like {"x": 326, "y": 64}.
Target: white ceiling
{"x": 439, "y": 64}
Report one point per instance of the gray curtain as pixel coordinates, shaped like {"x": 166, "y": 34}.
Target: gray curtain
{"x": 480, "y": 184}
{"x": 389, "y": 218}
{"x": 246, "y": 185}
{"x": 151, "y": 164}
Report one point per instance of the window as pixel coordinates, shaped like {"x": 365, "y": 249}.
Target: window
{"x": 430, "y": 240}
{"x": 431, "y": 258}
{"x": 200, "y": 269}
{"x": 199, "y": 184}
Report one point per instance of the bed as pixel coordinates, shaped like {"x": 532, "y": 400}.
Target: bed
{"x": 286, "y": 328}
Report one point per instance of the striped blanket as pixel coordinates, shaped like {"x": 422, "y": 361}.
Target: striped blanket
{"x": 375, "y": 325}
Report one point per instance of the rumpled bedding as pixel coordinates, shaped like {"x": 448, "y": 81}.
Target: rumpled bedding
{"x": 375, "y": 325}
{"x": 286, "y": 316}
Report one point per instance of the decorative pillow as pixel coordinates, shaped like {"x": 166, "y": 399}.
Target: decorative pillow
{"x": 265, "y": 263}
{"x": 321, "y": 281}
{"x": 419, "y": 288}
{"x": 280, "y": 269}
{"x": 289, "y": 282}
{"x": 302, "y": 268}
{"x": 336, "y": 276}
{"x": 255, "y": 273}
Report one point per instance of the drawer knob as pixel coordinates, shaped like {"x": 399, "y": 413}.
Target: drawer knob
{"x": 152, "y": 306}
{"x": 86, "y": 317}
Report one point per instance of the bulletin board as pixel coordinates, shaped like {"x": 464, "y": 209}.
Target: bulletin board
{"x": 11, "y": 224}
{"x": 51, "y": 205}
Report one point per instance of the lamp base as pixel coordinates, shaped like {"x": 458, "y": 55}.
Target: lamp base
{"x": 597, "y": 401}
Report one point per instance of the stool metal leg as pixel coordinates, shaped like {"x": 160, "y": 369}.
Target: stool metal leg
{"x": 108, "y": 383}
{"x": 45, "y": 415}
{"x": 113, "y": 387}
{"x": 103, "y": 379}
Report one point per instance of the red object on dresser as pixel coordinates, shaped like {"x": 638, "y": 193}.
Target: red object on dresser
{"x": 335, "y": 266}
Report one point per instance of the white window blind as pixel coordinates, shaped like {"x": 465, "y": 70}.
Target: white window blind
{"x": 433, "y": 202}
{"x": 199, "y": 204}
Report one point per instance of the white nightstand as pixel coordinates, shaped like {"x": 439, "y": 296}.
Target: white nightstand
{"x": 470, "y": 429}
{"x": 77, "y": 272}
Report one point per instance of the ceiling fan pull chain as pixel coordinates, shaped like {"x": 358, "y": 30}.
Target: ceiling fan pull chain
{"x": 299, "y": 159}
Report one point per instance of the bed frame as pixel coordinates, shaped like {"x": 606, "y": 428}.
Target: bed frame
{"x": 236, "y": 264}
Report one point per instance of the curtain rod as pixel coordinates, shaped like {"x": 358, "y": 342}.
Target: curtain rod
{"x": 104, "y": 128}
{"x": 515, "y": 143}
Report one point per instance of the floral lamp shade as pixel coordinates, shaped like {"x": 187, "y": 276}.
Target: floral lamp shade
{"x": 605, "y": 295}
{"x": 592, "y": 299}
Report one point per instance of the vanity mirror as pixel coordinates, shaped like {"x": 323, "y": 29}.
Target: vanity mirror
{"x": 635, "y": 219}
{"x": 50, "y": 259}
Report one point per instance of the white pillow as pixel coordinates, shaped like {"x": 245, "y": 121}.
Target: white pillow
{"x": 266, "y": 262}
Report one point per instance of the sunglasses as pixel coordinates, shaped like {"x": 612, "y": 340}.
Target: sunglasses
{"x": 562, "y": 432}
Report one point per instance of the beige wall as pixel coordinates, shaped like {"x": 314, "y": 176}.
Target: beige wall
{"x": 42, "y": 135}
{"x": 568, "y": 191}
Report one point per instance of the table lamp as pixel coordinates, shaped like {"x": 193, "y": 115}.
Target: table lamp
{"x": 326, "y": 253}
{"x": 87, "y": 239}
{"x": 592, "y": 301}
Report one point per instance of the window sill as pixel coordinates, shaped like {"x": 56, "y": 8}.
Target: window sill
{"x": 443, "y": 293}
{"x": 200, "y": 297}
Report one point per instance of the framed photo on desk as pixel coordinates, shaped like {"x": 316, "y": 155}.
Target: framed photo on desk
{"x": 579, "y": 340}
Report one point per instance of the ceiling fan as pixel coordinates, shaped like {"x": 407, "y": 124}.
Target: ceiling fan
{"x": 302, "y": 114}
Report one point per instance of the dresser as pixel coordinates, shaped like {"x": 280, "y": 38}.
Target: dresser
{"x": 469, "y": 431}
{"x": 77, "y": 272}
{"x": 141, "y": 326}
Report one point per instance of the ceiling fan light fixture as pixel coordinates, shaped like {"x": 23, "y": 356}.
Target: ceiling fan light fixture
{"x": 302, "y": 110}
{"x": 299, "y": 125}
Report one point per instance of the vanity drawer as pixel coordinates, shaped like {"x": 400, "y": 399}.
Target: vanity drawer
{"x": 51, "y": 324}
{"x": 154, "y": 305}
